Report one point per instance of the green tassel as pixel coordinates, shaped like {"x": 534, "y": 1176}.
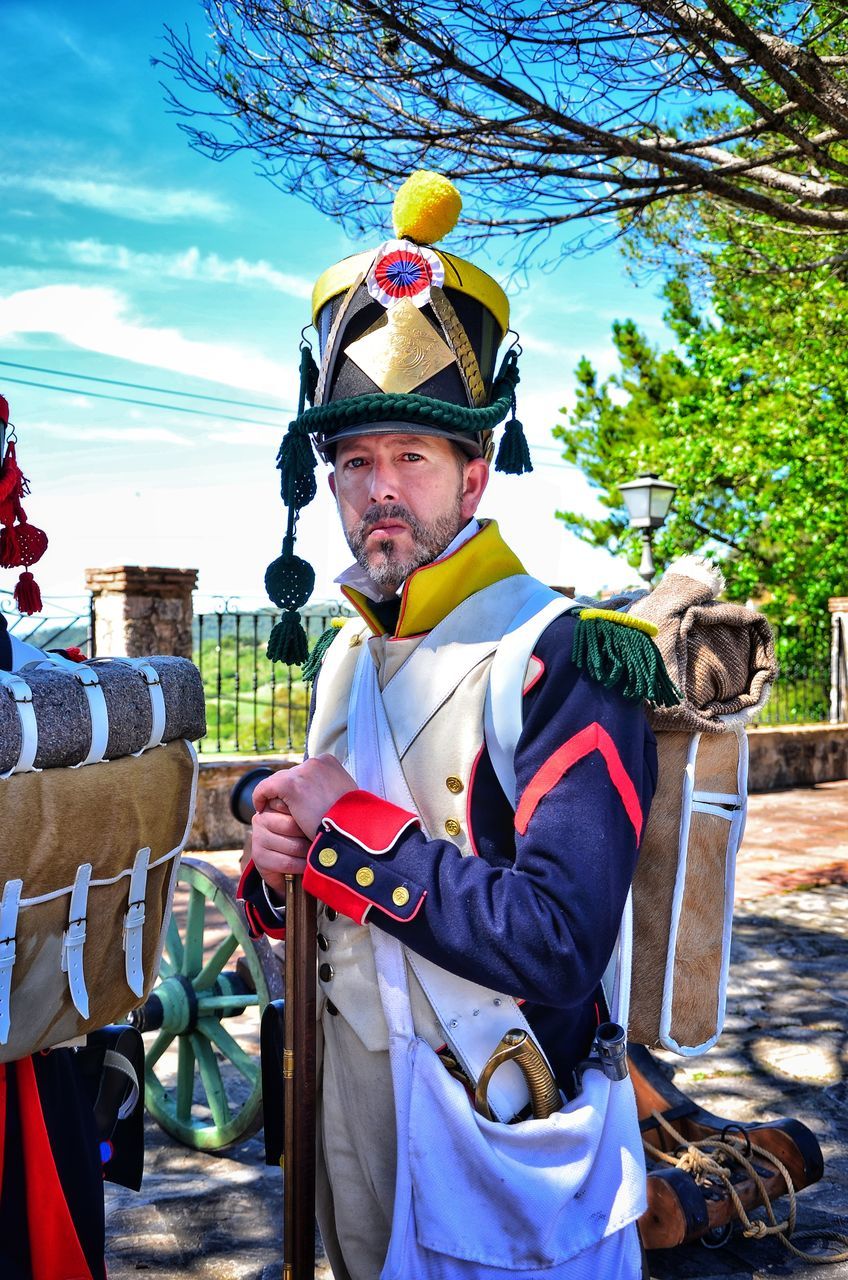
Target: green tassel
{"x": 308, "y": 379}
{"x": 289, "y": 581}
{"x": 296, "y": 464}
{"x": 313, "y": 663}
{"x": 287, "y": 641}
{"x": 513, "y": 454}
{"x": 623, "y": 657}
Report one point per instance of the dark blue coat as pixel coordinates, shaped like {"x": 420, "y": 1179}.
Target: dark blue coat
{"x": 536, "y": 914}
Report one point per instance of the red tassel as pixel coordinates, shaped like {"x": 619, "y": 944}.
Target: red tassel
{"x": 27, "y": 594}
{"x": 12, "y": 482}
{"x": 10, "y": 548}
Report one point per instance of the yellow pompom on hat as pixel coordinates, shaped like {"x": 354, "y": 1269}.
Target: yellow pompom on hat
{"x": 426, "y": 207}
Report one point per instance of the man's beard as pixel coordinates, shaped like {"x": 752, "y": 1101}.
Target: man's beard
{"x": 385, "y": 566}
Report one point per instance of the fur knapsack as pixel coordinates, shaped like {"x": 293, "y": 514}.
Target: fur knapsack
{"x": 721, "y": 657}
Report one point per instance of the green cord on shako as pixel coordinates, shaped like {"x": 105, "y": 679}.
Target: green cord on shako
{"x": 408, "y": 336}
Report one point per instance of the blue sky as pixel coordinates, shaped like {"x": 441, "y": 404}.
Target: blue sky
{"x": 125, "y": 255}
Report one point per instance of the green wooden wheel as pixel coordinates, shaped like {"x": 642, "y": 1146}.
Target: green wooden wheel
{"x": 202, "y": 1079}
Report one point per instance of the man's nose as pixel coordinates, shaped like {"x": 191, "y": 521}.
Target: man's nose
{"x": 384, "y": 483}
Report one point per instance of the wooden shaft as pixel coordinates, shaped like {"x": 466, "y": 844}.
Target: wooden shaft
{"x": 299, "y": 1063}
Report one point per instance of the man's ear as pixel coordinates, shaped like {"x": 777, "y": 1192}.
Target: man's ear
{"x": 474, "y": 480}
{"x": 331, "y": 481}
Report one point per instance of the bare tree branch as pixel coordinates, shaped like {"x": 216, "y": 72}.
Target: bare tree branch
{"x": 549, "y": 114}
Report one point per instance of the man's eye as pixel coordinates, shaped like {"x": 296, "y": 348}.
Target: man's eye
{"x": 354, "y": 463}
{"x": 413, "y": 457}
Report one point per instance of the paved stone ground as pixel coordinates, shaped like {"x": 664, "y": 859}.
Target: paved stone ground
{"x": 784, "y": 1053}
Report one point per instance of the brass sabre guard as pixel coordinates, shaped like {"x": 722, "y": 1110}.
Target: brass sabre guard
{"x": 516, "y": 1046}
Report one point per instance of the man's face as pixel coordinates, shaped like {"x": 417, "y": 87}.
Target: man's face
{"x": 402, "y": 499}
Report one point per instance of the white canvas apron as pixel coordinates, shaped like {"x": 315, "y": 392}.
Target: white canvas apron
{"x": 476, "y": 1198}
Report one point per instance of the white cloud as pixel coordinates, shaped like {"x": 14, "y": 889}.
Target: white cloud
{"x": 119, "y": 435}
{"x": 141, "y": 204}
{"x": 191, "y": 264}
{"x": 97, "y": 319}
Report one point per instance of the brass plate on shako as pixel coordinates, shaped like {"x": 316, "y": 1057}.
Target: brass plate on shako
{"x": 401, "y": 351}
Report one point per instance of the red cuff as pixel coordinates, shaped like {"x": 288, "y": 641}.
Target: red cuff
{"x": 335, "y": 894}
{"x": 372, "y": 823}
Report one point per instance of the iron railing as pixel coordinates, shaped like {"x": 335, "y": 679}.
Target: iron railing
{"x": 801, "y": 693}
{"x": 252, "y": 705}
{"x": 65, "y": 622}
{"x": 255, "y": 706}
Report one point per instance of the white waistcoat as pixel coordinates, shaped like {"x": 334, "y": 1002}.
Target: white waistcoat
{"x": 435, "y": 708}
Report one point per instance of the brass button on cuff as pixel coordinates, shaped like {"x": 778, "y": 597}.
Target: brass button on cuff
{"x": 400, "y": 896}
{"x": 326, "y": 972}
{"x": 364, "y": 877}
{"x": 454, "y": 785}
{"x": 323, "y": 944}
{"x": 452, "y": 827}
{"x": 327, "y": 857}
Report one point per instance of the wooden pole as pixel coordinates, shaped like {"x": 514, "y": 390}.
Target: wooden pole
{"x": 299, "y": 1064}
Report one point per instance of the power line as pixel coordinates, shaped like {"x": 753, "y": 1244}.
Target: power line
{"x": 148, "y": 404}
{"x": 142, "y": 386}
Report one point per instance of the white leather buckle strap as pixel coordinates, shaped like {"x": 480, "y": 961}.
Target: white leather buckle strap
{"x": 8, "y": 926}
{"x": 157, "y": 699}
{"x": 134, "y": 923}
{"x": 97, "y": 710}
{"x": 73, "y": 940}
{"x": 20, "y": 691}
{"x": 474, "y": 1020}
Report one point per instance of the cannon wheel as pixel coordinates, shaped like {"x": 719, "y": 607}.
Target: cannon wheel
{"x": 214, "y": 1096}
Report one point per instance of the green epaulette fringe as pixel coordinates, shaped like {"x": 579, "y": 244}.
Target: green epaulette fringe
{"x": 618, "y": 651}
{"x": 312, "y": 665}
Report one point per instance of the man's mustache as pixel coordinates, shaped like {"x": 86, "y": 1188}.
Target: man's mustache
{"x": 387, "y": 511}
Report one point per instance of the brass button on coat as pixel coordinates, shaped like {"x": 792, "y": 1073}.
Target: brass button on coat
{"x": 323, "y": 944}
{"x": 364, "y": 877}
{"x": 400, "y": 896}
{"x": 327, "y": 857}
{"x": 454, "y": 785}
{"x": 452, "y": 827}
{"x": 326, "y": 972}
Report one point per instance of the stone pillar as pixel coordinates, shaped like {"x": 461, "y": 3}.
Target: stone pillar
{"x": 838, "y": 606}
{"x": 139, "y": 610}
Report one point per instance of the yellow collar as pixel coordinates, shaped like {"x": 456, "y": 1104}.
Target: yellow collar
{"x": 433, "y": 591}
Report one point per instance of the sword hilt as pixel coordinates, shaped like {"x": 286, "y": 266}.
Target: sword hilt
{"x": 516, "y": 1046}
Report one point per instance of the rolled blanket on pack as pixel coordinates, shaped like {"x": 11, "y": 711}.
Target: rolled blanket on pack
{"x": 157, "y": 698}
{"x": 721, "y": 656}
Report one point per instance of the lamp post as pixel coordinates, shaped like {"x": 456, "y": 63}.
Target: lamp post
{"x": 648, "y": 500}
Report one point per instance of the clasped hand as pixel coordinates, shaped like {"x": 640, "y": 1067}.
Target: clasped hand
{"x": 289, "y": 807}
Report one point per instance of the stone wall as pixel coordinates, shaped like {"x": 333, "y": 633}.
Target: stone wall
{"x": 141, "y": 610}
{"x": 779, "y": 758}
{"x": 789, "y": 756}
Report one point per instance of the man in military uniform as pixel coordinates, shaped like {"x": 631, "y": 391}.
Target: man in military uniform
{"x": 509, "y": 874}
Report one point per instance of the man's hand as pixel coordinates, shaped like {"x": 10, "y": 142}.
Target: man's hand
{"x": 289, "y": 807}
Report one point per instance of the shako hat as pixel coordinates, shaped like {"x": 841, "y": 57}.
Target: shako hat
{"x": 408, "y": 338}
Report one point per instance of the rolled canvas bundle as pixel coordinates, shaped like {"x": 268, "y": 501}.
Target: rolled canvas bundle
{"x": 61, "y": 713}
{"x": 89, "y": 854}
{"x": 721, "y": 656}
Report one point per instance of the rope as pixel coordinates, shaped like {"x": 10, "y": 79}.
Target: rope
{"x": 411, "y": 407}
{"x": 710, "y": 1158}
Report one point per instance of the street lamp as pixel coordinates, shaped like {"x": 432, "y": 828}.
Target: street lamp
{"x": 648, "y": 500}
